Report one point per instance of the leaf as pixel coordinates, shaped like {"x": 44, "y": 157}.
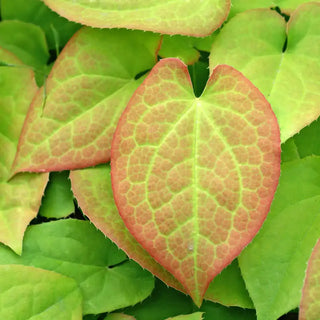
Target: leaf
{"x": 107, "y": 280}
{"x": 19, "y": 203}
{"x": 119, "y": 316}
{"x": 288, "y": 79}
{"x": 57, "y": 29}
{"x": 87, "y": 90}
{"x": 193, "y": 316}
{"x": 309, "y": 305}
{"x": 92, "y": 189}
{"x": 199, "y": 19}
{"x": 286, "y": 6}
{"x": 58, "y": 197}
{"x": 193, "y": 178}
{"x": 228, "y": 288}
{"x": 26, "y": 41}
{"x": 32, "y": 293}
{"x": 273, "y": 265}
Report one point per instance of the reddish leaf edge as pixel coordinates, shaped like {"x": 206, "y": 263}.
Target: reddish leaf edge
{"x": 274, "y": 187}
{"x": 82, "y": 21}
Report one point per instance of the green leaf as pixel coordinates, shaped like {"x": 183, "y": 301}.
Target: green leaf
{"x": 92, "y": 189}
{"x": 19, "y": 203}
{"x": 107, "y": 280}
{"x": 228, "y": 288}
{"x": 193, "y": 178}
{"x": 286, "y": 6}
{"x": 285, "y": 74}
{"x": 86, "y": 92}
{"x": 119, "y": 316}
{"x": 58, "y": 197}
{"x": 193, "y": 316}
{"x": 195, "y": 19}
{"x": 31, "y": 293}
{"x": 273, "y": 265}
{"x": 57, "y": 29}
{"x": 26, "y": 41}
{"x": 310, "y": 306}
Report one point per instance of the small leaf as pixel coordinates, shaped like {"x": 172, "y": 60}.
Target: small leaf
{"x": 228, "y": 288}
{"x": 273, "y": 265}
{"x": 92, "y": 189}
{"x": 32, "y": 293}
{"x": 36, "y": 12}
{"x": 58, "y": 197}
{"x": 26, "y": 41}
{"x": 107, "y": 280}
{"x": 193, "y": 178}
{"x": 19, "y": 203}
{"x": 86, "y": 92}
{"x": 310, "y": 306}
{"x": 283, "y": 63}
{"x": 193, "y": 316}
{"x": 196, "y": 19}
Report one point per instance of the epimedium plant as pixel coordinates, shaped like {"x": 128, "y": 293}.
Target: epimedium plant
{"x": 191, "y": 109}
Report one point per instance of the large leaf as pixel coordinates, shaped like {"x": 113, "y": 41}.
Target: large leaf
{"x": 19, "y": 203}
{"x": 195, "y": 18}
{"x": 193, "y": 316}
{"x": 107, "y": 280}
{"x": 288, "y": 75}
{"x": 57, "y": 29}
{"x": 32, "y": 293}
{"x": 119, "y": 316}
{"x": 87, "y": 90}
{"x": 193, "y": 178}
{"x": 310, "y": 305}
{"x": 92, "y": 188}
{"x": 273, "y": 265}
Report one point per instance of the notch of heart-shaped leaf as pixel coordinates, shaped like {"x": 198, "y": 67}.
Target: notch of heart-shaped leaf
{"x": 190, "y": 17}
{"x": 193, "y": 178}
{"x": 88, "y": 88}
{"x": 310, "y": 305}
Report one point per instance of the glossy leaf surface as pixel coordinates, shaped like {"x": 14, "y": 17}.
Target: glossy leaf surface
{"x": 287, "y": 74}
{"x": 32, "y": 293}
{"x": 107, "y": 280}
{"x": 19, "y": 204}
{"x": 197, "y": 19}
{"x": 86, "y": 92}
{"x": 193, "y": 178}
{"x": 58, "y": 30}
{"x": 58, "y": 197}
{"x": 274, "y": 263}
{"x": 310, "y": 306}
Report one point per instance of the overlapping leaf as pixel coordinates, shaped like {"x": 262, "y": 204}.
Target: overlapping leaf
{"x": 190, "y": 17}
{"x": 87, "y": 90}
{"x": 310, "y": 306}
{"x": 92, "y": 188}
{"x": 274, "y": 263}
{"x": 285, "y": 70}
{"x": 32, "y": 293}
{"x": 19, "y": 203}
{"x": 107, "y": 280}
{"x": 193, "y": 316}
{"x": 119, "y": 316}
{"x": 57, "y": 29}
{"x": 193, "y": 178}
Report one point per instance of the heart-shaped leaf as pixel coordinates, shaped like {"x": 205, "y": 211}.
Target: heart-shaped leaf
{"x": 283, "y": 63}
{"x": 193, "y": 178}
{"x": 87, "y": 90}
{"x": 32, "y": 293}
{"x": 273, "y": 265}
{"x": 19, "y": 203}
{"x": 310, "y": 305}
{"x": 107, "y": 280}
{"x": 195, "y": 18}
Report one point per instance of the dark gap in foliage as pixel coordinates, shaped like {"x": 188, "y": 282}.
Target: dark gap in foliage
{"x": 199, "y": 73}
{"x": 118, "y": 264}
{"x": 285, "y": 45}
{"x": 290, "y": 316}
{"x": 78, "y": 214}
{"x": 52, "y": 56}
{"x": 141, "y": 74}
{"x": 40, "y": 219}
{"x": 285, "y": 16}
